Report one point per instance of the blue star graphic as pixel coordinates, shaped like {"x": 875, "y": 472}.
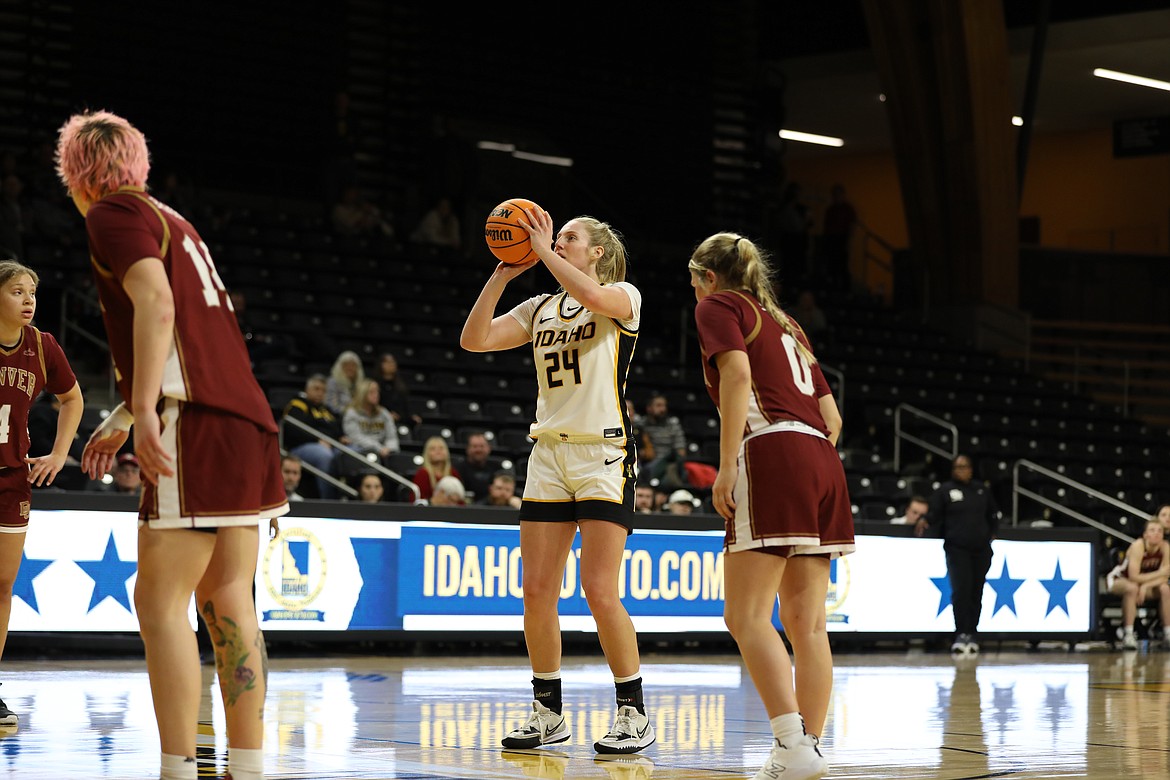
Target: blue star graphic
{"x": 943, "y": 584}
{"x": 23, "y": 587}
{"x": 109, "y": 576}
{"x": 1005, "y": 591}
{"x": 1058, "y": 588}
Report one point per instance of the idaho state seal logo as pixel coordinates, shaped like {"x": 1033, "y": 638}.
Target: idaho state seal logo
{"x": 294, "y": 574}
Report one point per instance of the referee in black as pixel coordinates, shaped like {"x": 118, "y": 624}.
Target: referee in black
{"x": 963, "y": 512}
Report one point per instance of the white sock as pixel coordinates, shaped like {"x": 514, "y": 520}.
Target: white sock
{"x": 1128, "y": 630}
{"x": 246, "y": 763}
{"x": 787, "y": 728}
{"x": 178, "y": 768}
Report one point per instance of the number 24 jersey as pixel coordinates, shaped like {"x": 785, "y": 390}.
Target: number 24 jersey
{"x": 582, "y": 360}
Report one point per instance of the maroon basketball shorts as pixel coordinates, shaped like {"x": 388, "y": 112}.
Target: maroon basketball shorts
{"x": 227, "y": 471}
{"x": 15, "y": 500}
{"x": 791, "y": 493}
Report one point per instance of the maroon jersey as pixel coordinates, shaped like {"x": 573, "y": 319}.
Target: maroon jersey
{"x": 35, "y": 364}
{"x": 208, "y": 363}
{"x": 784, "y": 385}
{"x": 1151, "y": 560}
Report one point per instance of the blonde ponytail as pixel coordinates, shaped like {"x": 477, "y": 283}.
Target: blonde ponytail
{"x": 741, "y": 265}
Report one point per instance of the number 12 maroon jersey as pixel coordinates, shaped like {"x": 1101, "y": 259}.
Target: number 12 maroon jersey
{"x": 208, "y": 363}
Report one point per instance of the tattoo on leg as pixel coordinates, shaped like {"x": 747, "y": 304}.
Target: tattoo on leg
{"x": 231, "y": 657}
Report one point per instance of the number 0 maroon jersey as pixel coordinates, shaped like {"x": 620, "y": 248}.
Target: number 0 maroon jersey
{"x": 208, "y": 363}
{"x": 35, "y": 364}
{"x": 784, "y": 385}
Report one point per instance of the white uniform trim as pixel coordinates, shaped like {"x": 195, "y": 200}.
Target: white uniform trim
{"x": 785, "y": 425}
{"x": 168, "y": 487}
{"x": 801, "y": 544}
{"x": 169, "y": 509}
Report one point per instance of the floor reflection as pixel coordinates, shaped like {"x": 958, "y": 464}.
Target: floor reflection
{"x": 1097, "y": 715}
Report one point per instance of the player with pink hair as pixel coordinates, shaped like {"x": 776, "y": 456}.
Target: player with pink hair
{"x": 99, "y": 152}
{"x": 197, "y": 412}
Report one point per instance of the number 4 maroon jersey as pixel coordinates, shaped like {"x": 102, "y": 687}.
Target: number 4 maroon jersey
{"x": 33, "y": 365}
{"x": 208, "y": 363}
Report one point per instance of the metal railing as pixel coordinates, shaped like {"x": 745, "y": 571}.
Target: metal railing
{"x": 900, "y": 434}
{"x": 879, "y": 253}
{"x": 1019, "y": 490}
{"x": 69, "y": 327}
{"x": 838, "y": 396}
{"x": 348, "y": 452}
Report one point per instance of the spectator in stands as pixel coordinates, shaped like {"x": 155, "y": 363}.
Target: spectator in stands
{"x": 370, "y": 489}
{"x": 664, "y": 444}
{"x": 290, "y": 470}
{"x": 449, "y": 492}
{"x": 127, "y": 475}
{"x": 126, "y": 478}
{"x": 914, "y": 515}
{"x": 343, "y": 381}
{"x": 636, "y": 432}
{"x": 477, "y": 468}
{"x": 963, "y": 512}
{"x": 840, "y": 219}
{"x": 1143, "y": 575}
{"x": 793, "y": 224}
{"x": 368, "y": 425}
{"x": 632, "y": 411}
{"x": 682, "y": 502}
{"x": 395, "y": 392}
{"x": 643, "y": 499}
{"x": 436, "y": 465}
{"x": 439, "y": 227}
{"x": 809, "y": 315}
{"x": 340, "y": 144}
{"x": 309, "y": 408}
{"x": 502, "y": 491}
{"x": 1163, "y": 517}
{"x": 355, "y": 216}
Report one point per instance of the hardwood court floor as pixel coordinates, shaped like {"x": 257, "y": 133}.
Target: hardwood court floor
{"x": 894, "y": 715}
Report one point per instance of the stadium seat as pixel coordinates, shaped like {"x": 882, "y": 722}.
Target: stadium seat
{"x": 460, "y": 410}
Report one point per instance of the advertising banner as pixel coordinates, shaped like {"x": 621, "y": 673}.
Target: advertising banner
{"x": 333, "y": 575}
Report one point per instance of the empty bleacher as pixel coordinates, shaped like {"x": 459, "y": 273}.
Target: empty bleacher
{"x": 326, "y": 295}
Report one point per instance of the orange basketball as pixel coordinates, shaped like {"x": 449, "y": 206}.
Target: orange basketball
{"x": 504, "y": 234}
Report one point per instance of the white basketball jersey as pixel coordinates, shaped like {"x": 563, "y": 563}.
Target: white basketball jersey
{"x": 581, "y": 364}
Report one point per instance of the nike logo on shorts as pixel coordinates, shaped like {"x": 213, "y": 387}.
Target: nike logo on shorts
{"x": 611, "y": 462}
